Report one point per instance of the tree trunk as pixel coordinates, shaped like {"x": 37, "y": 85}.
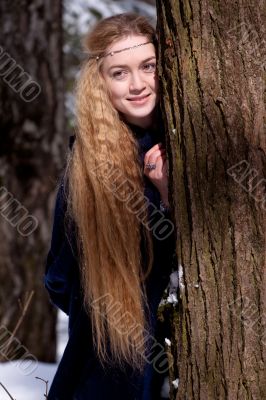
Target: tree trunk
{"x": 31, "y": 156}
{"x": 212, "y": 61}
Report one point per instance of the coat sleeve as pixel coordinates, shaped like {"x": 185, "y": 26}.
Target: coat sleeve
{"x": 61, "y": 262}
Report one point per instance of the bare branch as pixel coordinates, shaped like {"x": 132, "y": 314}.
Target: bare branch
{"x": 7, "y": 391}
{"x": 24, "y": 310}
{"x": 46, "y": 383}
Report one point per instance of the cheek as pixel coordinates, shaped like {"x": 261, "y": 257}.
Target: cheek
{"x": 117, "y": 92}
{"x": 113, "y": 89}
{"x": 111, "y": 92}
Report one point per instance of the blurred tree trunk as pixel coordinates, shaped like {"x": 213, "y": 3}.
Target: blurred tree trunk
{"x": 31, "y": 156}
{"x": 212, "y": 60}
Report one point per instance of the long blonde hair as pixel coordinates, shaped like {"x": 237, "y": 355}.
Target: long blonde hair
{"x": 103, "y": 170}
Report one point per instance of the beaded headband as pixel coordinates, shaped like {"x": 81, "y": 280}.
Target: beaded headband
{"x": 111, "y": 53}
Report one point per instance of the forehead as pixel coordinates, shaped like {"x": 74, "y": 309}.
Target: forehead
{"x": 130, "y": 56}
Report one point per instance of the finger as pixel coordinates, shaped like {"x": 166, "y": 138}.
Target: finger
{"x": 154, "y": 148}
{"x": 159, "y": 161}
{"x": 151, "y": 157}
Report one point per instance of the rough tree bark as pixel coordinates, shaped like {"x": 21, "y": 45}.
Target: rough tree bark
{"x": 212, "y": 60}
{"x": 31, "y": 156}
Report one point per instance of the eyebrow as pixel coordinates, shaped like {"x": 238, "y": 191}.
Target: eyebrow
{"x": 124, "y": 65}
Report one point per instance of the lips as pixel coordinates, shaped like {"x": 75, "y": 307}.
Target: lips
{"x": 138, "y": 98}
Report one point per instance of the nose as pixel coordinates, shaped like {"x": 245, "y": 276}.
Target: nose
{"x": 136, "y": 82}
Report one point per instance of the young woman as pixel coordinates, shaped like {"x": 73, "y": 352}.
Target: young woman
{"x": 113, "y": 242}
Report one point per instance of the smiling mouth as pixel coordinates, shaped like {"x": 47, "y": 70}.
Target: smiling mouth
{"x": 139, "y": 98}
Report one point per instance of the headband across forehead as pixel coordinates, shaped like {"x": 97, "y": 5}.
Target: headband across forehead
{"x": 111, "y": 53}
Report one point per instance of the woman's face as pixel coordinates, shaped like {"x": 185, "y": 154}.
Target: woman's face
{"x": 131, "y": 79}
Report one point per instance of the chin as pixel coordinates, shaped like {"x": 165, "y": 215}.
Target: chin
{"x": 138, "y": 114}
{"x": 140, "y": 120}
{"x": 142, "y": 112}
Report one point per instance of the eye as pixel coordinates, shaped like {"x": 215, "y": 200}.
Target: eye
{"x": 150, "y": 67}
{"x": 118, "y": 74}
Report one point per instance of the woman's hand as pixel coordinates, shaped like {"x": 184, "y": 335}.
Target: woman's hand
{"x": 158, "y": 176}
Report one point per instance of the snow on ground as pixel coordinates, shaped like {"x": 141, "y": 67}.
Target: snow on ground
{"x": 19, "y": 377}
{"x": 62, "y": 334}
{"x": 23, "y": 387}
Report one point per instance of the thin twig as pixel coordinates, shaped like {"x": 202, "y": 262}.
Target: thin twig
{"x": 24, "y": 310}
{"x": 46, "y": 384}
{"x": 7, "y": 391}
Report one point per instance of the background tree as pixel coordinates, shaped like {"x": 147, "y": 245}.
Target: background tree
{"x": 32, "y": 144}
{"x": 212, "y": 61}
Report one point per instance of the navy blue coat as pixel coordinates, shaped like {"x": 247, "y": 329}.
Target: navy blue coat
{"x": 79, "y": 375}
